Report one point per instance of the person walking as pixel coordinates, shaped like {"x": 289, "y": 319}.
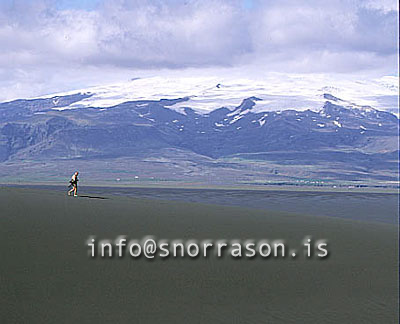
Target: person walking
{"x": 74, "y": 184}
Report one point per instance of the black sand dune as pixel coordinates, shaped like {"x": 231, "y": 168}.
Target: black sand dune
{"x": 47, "y": 276}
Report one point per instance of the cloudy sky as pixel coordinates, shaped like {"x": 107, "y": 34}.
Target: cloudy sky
{"x": 50, "y": 46}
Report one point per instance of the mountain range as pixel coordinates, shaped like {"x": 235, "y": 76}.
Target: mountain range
{"x": 44, "y": 139}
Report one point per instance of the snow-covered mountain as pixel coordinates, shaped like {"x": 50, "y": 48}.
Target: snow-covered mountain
{"x": 203, "y": 131}
{"x": 275, "y": 91}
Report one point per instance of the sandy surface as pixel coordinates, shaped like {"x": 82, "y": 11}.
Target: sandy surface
{"x": 47, "y": 276}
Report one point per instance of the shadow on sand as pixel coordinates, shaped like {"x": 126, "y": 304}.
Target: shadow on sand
{"x": 93, "y": 197}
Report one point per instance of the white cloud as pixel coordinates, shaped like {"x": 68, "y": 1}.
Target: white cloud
{"x": 384, "y": 5}
{"x": 42, "y": 46}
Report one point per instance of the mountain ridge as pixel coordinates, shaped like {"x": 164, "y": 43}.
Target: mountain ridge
{"x": 356, "y": 143}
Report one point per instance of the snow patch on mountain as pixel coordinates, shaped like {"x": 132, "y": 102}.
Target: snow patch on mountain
{"x": 337, "y": 123}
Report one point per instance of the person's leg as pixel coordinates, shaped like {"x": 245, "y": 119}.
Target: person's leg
{"x": 75, "y": 190}
{"x": 69, "y": 191}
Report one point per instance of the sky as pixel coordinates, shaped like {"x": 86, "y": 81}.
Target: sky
{"x": 49, "y": 46}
